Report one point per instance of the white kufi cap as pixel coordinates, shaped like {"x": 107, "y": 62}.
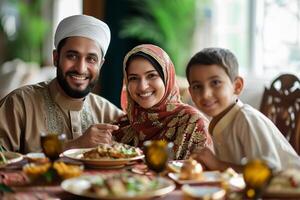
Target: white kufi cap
{"x": 83, "y": 26}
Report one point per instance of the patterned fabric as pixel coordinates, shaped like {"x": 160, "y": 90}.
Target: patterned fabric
{"x": 54, "y": 116}
{"x": 169, "y": 120}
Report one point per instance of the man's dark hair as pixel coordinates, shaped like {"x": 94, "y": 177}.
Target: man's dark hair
{"x": 60, "y": 45}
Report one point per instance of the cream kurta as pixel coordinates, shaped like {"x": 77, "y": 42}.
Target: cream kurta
{"x": 245, "y": 132}
{"x": 30, "y": 110}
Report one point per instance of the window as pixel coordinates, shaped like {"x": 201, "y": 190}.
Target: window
{"x": 263, "y": 34}
{"x": 278, "y": 35}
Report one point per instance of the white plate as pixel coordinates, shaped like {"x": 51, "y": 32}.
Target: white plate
{"x": 237, "y": 183}
{"x": 175, "y": 165}
{"x": 76, "y": 154}
{"x": 79, "y": 186}
{"x": 208, "y": 177}
{"x": 11, "y": 157}
{"x": 35, "y": 155}
{"x": 204, "y": 192}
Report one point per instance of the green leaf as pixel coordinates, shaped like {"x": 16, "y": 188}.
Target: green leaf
{"x": 50, "y": 175}
{"x": 5, "y": 188}
{"x": 31, "y": 29}
{"x": 167, "y": 23}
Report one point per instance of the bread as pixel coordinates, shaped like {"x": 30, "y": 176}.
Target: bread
{"x": 191, "y": 169}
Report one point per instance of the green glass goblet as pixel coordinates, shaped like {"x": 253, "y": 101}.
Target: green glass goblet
{"x": 157, "y": 154}
{"x": 257, "y": 175}
{"x": 52, "y": 145}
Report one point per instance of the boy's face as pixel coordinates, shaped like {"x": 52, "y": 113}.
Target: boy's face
{"x": 211, "y": 89}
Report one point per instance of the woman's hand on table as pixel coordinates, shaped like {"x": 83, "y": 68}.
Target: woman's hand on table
{"x": 95, "y": 134}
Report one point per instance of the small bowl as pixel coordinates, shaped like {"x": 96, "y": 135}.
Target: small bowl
{"x": 66, "y": 170}
{"x": 203, "y": 192}
{"x": 52, "y": 172}
{"x": 35, "y": 171}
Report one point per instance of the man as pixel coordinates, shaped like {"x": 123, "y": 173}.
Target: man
{"x": 65, "y": 104}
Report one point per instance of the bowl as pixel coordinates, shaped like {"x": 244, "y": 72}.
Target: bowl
{"x": 52, "y": 172}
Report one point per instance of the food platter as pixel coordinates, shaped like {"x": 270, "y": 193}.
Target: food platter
{"x": 81, "y": 186}
{"x": 234, "y": 180}
{"x": 285, "y": 184}
{"x": 11, "y": 157}
{"x": 206, "y": 176}
{"x": 77, "y": 154}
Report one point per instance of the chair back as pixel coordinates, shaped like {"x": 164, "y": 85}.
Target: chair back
{"x": 281, "y": 104}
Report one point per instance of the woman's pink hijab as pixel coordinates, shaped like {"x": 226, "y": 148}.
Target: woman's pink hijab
{"x": 169, "y": 120}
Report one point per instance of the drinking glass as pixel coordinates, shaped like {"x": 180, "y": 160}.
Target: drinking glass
{"x": 257, "y": 175}
{"x": 52, "y": 144}
{"x": 157, "y": 154}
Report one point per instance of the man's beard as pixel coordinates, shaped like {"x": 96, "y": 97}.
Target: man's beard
{"x": 78, "y": 94}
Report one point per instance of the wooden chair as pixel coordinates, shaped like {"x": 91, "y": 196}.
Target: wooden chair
{"x": 281, "y": 103}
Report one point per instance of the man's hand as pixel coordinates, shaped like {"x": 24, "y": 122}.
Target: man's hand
{"x": 95, "y": 134}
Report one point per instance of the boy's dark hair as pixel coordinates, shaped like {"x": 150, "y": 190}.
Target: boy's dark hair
{"x": 215, "y": 56}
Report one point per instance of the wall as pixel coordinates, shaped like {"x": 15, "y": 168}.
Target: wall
{"x": 253, "y": 91}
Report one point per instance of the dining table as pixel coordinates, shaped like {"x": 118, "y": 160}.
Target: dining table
{"x": 13, "y": 176}
{"x": 23, "y": 188}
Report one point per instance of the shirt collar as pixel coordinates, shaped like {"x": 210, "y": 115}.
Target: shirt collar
{"x": 62, "y": 99}
{"x": 226, "y": 119}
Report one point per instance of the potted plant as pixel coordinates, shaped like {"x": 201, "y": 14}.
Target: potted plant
{"x": 25, "y": 36}
{"x": 167, "y": 23}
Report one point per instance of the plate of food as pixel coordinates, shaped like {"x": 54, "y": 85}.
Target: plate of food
{"x": 9, "y": 157}
{"x": 191, "y": 172}
{"x": 105, "y": 155}
{"x": 285, "y": 184}
{"x": 118, "y": 186}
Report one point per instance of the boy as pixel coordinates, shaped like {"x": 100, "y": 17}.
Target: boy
{"x": 239, "y": 131}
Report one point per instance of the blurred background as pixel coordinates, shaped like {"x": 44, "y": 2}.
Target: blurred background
{"x": 263, "y": 34}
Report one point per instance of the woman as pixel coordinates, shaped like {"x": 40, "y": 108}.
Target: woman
{"x": 154, "y": 109}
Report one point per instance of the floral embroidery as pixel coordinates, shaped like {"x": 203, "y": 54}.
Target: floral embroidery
{"x": 191, "y": 128}
{"x": 194, "y": 118}
{"x": 153, "y": 116}
{"x": 173, "y": 122}
{"x": 86, "y": 118}
{"x": 170, "y": 132}
{"x": 54, "y": 118}
{"x": 184, "y": 119}
{"x": 171, "y": 107}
